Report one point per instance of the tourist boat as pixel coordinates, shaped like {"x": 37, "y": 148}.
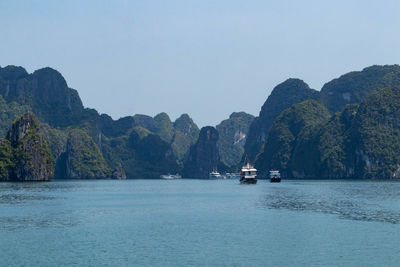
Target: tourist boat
{"x": 170, "y": 176}
{"x": 274, "y": 176}
{"x": 248, "y": 174}
{"x": 215, "y": 175}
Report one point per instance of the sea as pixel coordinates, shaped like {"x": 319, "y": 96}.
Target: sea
{"x": 192, "y": 222}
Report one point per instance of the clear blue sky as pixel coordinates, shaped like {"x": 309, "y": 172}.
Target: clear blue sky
{"x": 204, "y": 58}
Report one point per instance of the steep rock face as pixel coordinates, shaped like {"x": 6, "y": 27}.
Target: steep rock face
{"x": 325, "y": 150}
{"x": 114, "y": 128}
{"x": 56, "y": 139}
{"x": 283, "y": 96}
{"x": 203, "y": 156}
{"x": 31, "y": 156}
{"x": 161, "y": 125}
{"x": 362, "y": 141}
{"x": 377, "y": 135}
{"x": 6, "y": 160}
{"x": 186, "y": 133}
{"x": 146, "y": 122}
{"x": 13, "y": 73}
{"x": 353, "y": 87}
{"x": 282, "y": 139}
{"x": 164, "y": 127}
{"x": 232, "y": 137}
{"x": 154, "y": 156}
{"x": 82, "y": 158}
{"x": 119, "y": 172}
{"x": 9, "y": 112}
{"x": 142, "y": 154}
{"x": 45, "y": 91}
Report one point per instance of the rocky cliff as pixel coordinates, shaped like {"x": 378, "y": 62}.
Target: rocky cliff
{"x": 186, "y": 133}
{"x": 25, "y": 155}
{"x": 141, "y": 154}
{"x": 362, "y": 141}
{"x": 203, "y": 156}
{"x": 232, "y": 137}
{"x": 82, "y": 158}
{"x": 376, "y": 135}
{"x": 283, "y": 96}
{"x": 283, "y": 136}
{"x": 45, "y": 91}
{"x": 353, "y": 87}
{"x": 7, "y": 163}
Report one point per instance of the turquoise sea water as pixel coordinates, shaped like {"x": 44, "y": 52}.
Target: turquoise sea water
{"x": 200, "y": 223}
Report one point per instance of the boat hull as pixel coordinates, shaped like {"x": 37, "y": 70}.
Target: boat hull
{"x": 275, "y": 180}
{"x": 248, "y": 181}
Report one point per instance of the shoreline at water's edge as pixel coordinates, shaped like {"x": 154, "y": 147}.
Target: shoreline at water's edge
{"x": 206, "y": 179}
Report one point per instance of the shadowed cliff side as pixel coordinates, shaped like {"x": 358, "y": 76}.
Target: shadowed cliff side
{"x": 203, "y": 156}
{"x": 82, "y": 158}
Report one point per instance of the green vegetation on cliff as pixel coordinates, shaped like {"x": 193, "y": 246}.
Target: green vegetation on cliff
{"x": 232, "y": 137}
{"x": 186, "y": 133}
{"x": 359, "y": 141}
{"x": 362, "y": 141}
{"x": 203, "y": 157}
{"x": 282, "y": 138}
{"x": 82, "y": 158}
{"x": 141, "y": 154}
{"x": 283, "y": 96}
{"x": 9, "y": 112}
{"x": 24, "y": 156}
{"x": 377, "y": 135}
{"x": 7, "y": 163}
{"x": 353, "y": 87}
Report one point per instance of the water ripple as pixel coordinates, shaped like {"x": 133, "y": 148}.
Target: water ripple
{"x": 347, "y": 206}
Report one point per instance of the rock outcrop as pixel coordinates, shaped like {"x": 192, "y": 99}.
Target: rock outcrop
{"x": 186, "y": 133}
{"x": 45, "y": 91}
{"x": 353, "y": 87}
{"x": 6, "y": 160}
{"x": 361, "y": 142}
{"x": 31, "y": 159}
{"x": 142, "y": 154}
{"x": 283, "y": 96}
{"x": 203, "y": 156}
{"x": 232, "y": 137}
{"x": 119, "y": 172}
{"x": 283, "y": 136}
{"x": 82, "y": 159}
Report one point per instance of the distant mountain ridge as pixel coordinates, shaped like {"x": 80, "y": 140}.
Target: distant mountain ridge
{"x": 350, "y": 88}
{"x": 334, "y": 133}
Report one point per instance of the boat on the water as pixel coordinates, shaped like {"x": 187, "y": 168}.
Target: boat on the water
{"x": 170, "y": 176}
{"x": 248, "y": 174}
{"x": 274, "y": 176}
{"x": 215, "y": 175}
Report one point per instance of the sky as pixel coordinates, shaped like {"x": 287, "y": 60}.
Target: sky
{"x": 200, "y": 57}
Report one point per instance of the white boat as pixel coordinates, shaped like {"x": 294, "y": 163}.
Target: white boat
{"x": 248, "y": 174}
{"x": 170, "y": 176}
{"x": 215, "y": 175}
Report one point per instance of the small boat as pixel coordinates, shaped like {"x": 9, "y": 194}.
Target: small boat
{"x": 170, "y": 176}
{"x": 248, "y": 174}
{"x": 215, "y": 175}
{"x": 274, "y": 176}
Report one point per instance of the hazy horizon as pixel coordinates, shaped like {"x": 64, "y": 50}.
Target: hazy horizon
{"x": 204, "y": 58}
